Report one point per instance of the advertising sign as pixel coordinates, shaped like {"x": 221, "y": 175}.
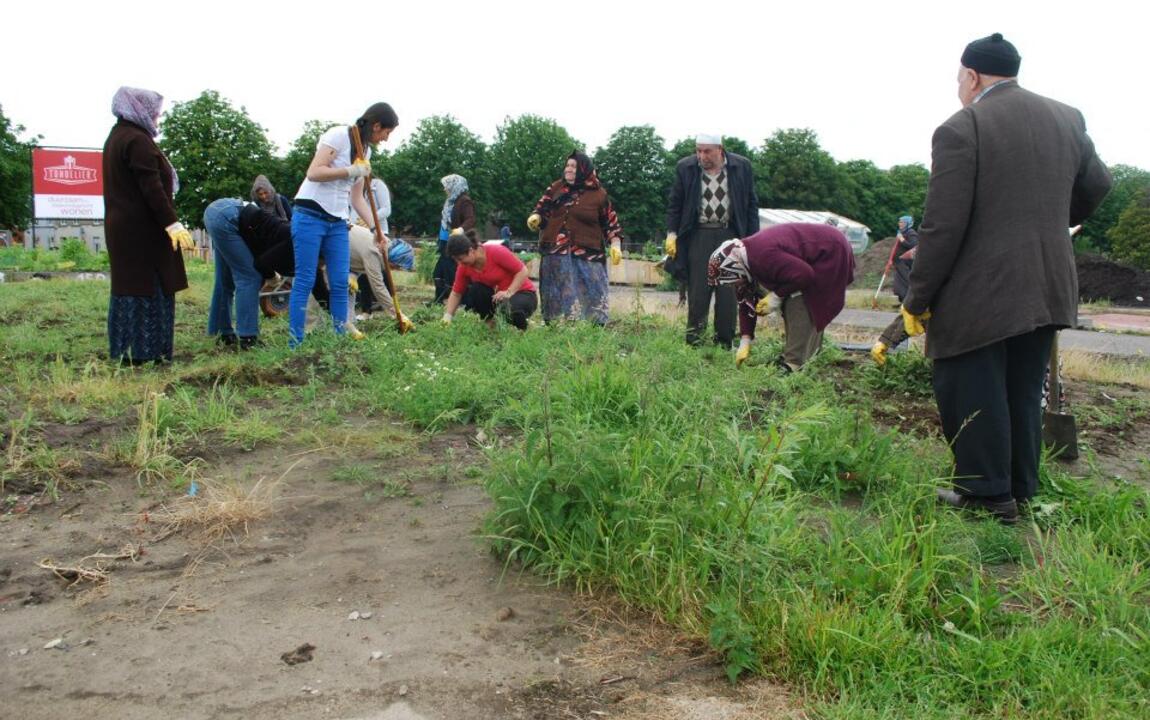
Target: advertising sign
{"x": 67, "y": 184}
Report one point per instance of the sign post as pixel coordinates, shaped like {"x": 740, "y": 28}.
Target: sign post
{"x": 67, "y": 184}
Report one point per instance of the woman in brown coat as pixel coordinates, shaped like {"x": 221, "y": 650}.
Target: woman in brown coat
{"x": 143, "y": 235}
{"x": 580, "y": 232}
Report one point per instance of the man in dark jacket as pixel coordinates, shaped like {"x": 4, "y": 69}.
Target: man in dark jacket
{"x": 995, "y": 269}
{"x": 712, "y": 200}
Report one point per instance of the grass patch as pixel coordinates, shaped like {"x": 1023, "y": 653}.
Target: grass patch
{"x": 787, "y": 520}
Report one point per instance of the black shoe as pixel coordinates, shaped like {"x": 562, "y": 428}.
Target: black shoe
{"x": 1005, "y": 511}
{"x": 228, "y": 341}
{"x": 247, "y": 343}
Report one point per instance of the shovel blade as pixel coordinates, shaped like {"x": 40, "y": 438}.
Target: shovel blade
{"x": 1060, "y": 433}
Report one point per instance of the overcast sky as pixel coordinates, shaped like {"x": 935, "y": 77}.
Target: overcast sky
{"x": 872, "y": 79}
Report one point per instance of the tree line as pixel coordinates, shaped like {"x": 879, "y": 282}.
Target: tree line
{"x": 218, "y": 150}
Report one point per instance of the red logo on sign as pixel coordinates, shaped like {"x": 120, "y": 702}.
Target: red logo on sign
{"x": 70, "y": 173}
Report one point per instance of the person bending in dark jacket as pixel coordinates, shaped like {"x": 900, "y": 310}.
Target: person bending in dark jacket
{"x": 806, "y": 265}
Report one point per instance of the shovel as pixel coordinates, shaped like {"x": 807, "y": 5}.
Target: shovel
{"x": 1059, "y": 431}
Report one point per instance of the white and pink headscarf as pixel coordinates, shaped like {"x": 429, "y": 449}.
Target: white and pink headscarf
{"x": 142, "y": 107}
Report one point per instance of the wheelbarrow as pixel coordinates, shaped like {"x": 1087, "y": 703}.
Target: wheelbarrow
{"x": 274, "y": 297}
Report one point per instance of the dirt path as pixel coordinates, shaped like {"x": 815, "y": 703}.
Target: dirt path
{"x": 189, "y": 630}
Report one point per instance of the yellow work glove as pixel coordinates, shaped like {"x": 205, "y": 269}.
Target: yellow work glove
{"x": 353, "y": 283}
{"x": 456, "y": 231}
{"x": 446, "y": 319}
{"x": 670, "y": 245}
{"x": 743, "y": 353}
{"x": 534, "y": 222}
{"x": 615, "y": 254}
{"x": 360, "y": 168}
{"x": 181, "y": 238}
{"x": 913, "y": 323}
{"x": 355, "y": 333}
{"x": 878, "y": 353}
{"x": 405, "y": 324}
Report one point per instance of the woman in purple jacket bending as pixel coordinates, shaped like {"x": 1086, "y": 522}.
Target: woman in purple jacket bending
{"x": 803, "y": 269}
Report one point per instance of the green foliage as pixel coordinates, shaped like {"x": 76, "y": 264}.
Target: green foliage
{"x": 758, "y": 511}
{"x": 861, "y": 194}
{"x": 1130, "y": 237}
{"x": 76, "y": 252}
{"x": 217, "y": 151}
{"x": 426, "y": 256}
{"x": 527, "y": 156}
{"x": 15, "y": 174}
{"x": 439, "y": 146}
{"x": 686, "y": 147}
{"x": 635, "y": 169}
{"x": 793, "y": 171}
{"x": 72, "y": 255}
{"x": 293, "y": 168}
{"x": 1129, "y": 182}
{"x": 906, "y": 193}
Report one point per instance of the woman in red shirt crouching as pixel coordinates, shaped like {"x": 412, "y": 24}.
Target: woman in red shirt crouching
{"x": 489, "y": 275}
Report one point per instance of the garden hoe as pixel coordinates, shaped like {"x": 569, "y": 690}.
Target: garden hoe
{"x": 1059, "y": 431}
{"x": 402, "y": 326}
{"x": 885, "y": 270}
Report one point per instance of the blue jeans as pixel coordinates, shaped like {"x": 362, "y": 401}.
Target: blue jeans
{"x": 236, "y": 273}
{"x": 314, "y": 236}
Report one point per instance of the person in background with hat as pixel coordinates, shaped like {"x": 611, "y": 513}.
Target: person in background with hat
{"x": 712, "y": 200}
{"x": 265, "y": 196}
{"x": 994, "y": 270}
{"x": 906, "y": 241}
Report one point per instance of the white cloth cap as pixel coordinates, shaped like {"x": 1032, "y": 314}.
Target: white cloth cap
{"x": 703, "y": 139}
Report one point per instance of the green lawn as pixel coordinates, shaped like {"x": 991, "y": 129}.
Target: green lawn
{"x": 787, "y": 520}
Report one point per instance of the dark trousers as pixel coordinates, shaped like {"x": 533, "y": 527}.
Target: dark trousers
{"x": 990, "y": 403}
{"x": 894, "y": 333}
{"x": 478, "y": 298}
{"x": 365, "y": 298}
{"x": 699, "y": 245}
{"x": 280, "y": 259}
{"x": 444, "y": 277}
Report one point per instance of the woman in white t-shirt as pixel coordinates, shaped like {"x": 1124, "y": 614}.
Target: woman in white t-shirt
{"x": 320, "y": 213}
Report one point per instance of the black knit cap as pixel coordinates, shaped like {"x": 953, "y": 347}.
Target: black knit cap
{"x": 992, "y": 56}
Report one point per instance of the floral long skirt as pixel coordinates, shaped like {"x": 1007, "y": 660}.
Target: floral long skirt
{"x": 570, "y": 287}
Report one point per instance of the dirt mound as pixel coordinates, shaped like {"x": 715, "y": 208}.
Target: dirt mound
{"x": 1098, "y": 277}
{"x": 873, "y": 259}
{"x": 1102, "y": 279}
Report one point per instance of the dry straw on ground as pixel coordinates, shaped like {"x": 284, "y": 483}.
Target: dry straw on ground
{"x": 91, "y": 568}
{"x": 222, "y": 510}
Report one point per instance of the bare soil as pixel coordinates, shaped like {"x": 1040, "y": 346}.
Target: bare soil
{"x": 190, "y": 628}
{"x": 1098, "y": 277}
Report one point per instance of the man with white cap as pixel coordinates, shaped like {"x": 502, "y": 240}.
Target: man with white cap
{"x": 995, "y": 271}
{"x": 712, "y": 200}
